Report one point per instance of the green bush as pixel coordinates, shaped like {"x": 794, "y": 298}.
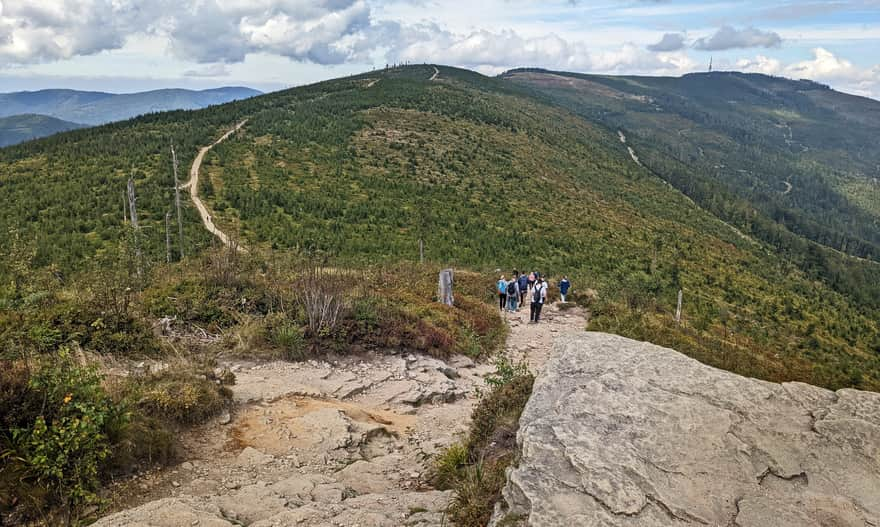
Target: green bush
{"x": 59, "y": 441}
{"x": 476, "y": 469}
{"x": 288, "y": 336}
{"x": 182, "y": 397}
{"x": 447, "y": 466}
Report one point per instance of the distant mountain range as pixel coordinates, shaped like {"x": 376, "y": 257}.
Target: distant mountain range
{"x": 33, "y": 114}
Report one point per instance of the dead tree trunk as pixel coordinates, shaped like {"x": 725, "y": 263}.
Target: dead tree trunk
{"x": 177, "y": 200}
{"x": 132, "y": 209}
{"x": 678, "y": 310}
{"x": 421, "y": 251}
{"x": 444, "y": 289}
{"x": 167, "y": 238}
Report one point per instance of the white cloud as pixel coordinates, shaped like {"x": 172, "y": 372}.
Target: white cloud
{"x": 669, "y": 42}
{"x": 760, "y": 64}
{"x": 728, "y": 37}
{"x": 211, "y": 70}
{"x": 493, "y": 52}
{"x": 825, "y": 67}
{"x": 198, "y": 30}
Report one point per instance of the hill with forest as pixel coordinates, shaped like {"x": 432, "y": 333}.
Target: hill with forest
{"x": 785, "y": 161}
{"x": 94, "y": 108}
{"x": 20, "y": 128}
{"x": 509, "y": 173}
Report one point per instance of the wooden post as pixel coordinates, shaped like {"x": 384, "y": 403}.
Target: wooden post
{"x": 177, "y": 199}
{"x": 444, "y": 290}
{"x": 167, "y": 238}
{"x": 132, "y": 209}
{"x": 678, "y": 310}
{"x": 421, "y": 251}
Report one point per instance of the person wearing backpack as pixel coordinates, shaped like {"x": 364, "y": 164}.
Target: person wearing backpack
{"x": 502, "y": 292}
{"x": 539, "y": 296}
{"x": 564, "y": 286}
{"x": 512, "y": 295}
{"x": 523, "y": 283}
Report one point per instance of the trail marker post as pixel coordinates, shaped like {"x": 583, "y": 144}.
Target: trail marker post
{"x": 444, "y": 289}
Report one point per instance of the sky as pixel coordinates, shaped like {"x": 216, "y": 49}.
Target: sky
{"x": 130, "y": 45}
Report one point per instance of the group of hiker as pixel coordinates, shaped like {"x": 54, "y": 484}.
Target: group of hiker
{"x": 513, "y": 293}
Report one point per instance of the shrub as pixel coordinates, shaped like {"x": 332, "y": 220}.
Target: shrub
{"x": 476, "y": 469}
{"x": 182, "y": 397}
{"x": 447, "y": 466}
{"x": 288, "y": 336}
{"x": 59, "y": 439}
{"x": 322, "y": 296}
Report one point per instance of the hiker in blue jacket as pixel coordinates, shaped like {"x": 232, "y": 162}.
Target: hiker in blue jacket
{"x": 564, "y": 286}
{"x": 502, "y": 292}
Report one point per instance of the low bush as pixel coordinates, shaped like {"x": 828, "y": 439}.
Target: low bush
{"x": 74, "y": 320}
{"x": 57, "y": 433}
{"x": 181, "y": 397}
{"x": 475, "y": 469}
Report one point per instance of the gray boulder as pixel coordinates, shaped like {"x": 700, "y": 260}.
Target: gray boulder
{"x": 619, "y": 432}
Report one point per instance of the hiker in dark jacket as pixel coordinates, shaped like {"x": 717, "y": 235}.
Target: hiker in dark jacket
{"x": 523, "y": 288}
{"x": 564, "y": 286}
{"x": 512, "y": 295}
{"x": 538, "y": 296}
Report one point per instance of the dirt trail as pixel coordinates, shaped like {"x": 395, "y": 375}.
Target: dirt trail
{"x": 632, "y": 153}
{"x": 343, "y": 442}
{"x": 193, "y": 186}
{"x": 436, "y": 72}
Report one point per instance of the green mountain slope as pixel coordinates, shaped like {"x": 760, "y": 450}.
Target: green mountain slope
{"x": 798, "y": 152}
{"x": 487, "y": 173}
{"x": 98, "y": 107}
{"x": 19, "y": 128}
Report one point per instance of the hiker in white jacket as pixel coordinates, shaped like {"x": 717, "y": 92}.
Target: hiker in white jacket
{"x": 538, "y": 297}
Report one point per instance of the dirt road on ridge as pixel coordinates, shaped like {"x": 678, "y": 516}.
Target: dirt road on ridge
{"x": 193, "y": 186}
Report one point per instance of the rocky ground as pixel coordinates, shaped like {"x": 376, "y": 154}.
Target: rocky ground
{"x": 619, "y": 432}
{"x": 345, "y": 442}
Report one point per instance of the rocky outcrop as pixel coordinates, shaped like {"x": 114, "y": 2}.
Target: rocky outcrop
{"x": 619, "y": 432}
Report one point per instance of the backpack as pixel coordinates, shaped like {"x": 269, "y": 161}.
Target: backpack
{"x": 511, "y": 288}
{"x": 523, "y": 282}
{"x": 501, "y": 286}
{"x": 536, "y": 292}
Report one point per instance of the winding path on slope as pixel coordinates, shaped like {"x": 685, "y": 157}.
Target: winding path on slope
{"x": 193, "y": 186}
{"x": 436, "y": 72}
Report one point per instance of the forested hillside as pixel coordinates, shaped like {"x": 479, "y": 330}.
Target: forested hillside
{"x": 786, "y": 161}
{"x": 492, "y": 174}
{"x": 20, "y": 128}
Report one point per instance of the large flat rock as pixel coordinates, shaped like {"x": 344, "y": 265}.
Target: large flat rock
{"x": 619, "y": 432}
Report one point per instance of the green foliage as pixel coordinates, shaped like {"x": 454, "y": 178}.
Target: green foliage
{"x": 181, "y": 396}
{"x": 506, "y": 371}
{"x": 446, "y": 468}
{"x": 62, "y": 442}
{"x": 476, "y": 469}
{"x": 288, "y": 336}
